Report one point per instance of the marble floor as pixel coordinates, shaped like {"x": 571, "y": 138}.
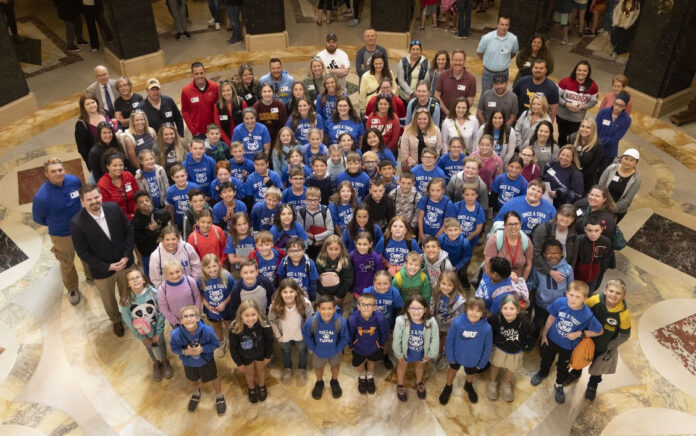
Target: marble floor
{"x": 62, "y": 371}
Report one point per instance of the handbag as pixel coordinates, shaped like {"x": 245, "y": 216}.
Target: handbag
{"x": 618, "y": 240}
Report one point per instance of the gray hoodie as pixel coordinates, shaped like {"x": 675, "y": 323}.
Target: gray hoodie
{"x": 434, "y": 269}
{"x": 456, "y": 183}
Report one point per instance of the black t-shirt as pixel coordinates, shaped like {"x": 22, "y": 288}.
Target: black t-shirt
{"x": 617, "y": 186}
{"x": 525, "y": 88}
{"x": 510, "y": 337}
{"x": 126, "y": 106}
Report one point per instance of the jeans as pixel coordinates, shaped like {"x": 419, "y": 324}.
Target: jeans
{"x": 233, "y": 18}
{"x": 158, "y": 353}
{"x": 286, "y": 347}
{"x": 214, "y": 6}
{"x": 608, "y": 12}
{"x": 487, "y": 79}
{"x": 463, "y": 25}
{"x": 146, "y": 266}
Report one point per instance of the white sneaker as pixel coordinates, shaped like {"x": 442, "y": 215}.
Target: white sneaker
{"x": 217, "y": 26}
{"x": 614, "y": 55}
{"x": 211, "y": 21}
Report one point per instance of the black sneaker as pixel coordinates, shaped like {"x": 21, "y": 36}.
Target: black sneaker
{"x": 187, "y": 34}
{"x": 362, "y": 385}
{"x": 193, "y": 402}
{"x": 590, "y": 393}
{"x": 445, "y": 395}
{"x": 420, "y": 390}
{"x": 82, "y": 42}
{"x": 572, "y": 377}
{"x": 262, "y": 393}
{"x": 220, "y": 405}
{"x": 177, "y": 36}
{"x": 388, "y": 363}
{"x": 252, "y": 395}
{"x": 371, "y": 388}
{"x": 473, "y": 396}
{"x": 73, "y": 49}
{"x": 336, "y": 390}
{"x": 318, "y": 389}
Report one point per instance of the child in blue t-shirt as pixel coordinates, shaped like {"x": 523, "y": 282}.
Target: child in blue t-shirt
{"x": 342, "y": 205}
{"x": 470, "y": 214}
{"x": 266, "y": 255}
{"x": 314, "y": 147}
{"x": 398, "y": 242}
{"x": 263, "y": 213}
{"x": 216, "y": 286}
{"x": 240, "y": 242}
{"x": 453, "y": 161}
{"x": 387, "y": 170}
{"x": 355, "y": 175}
{"x": 509, "y": 185}
{"x": 177, "y": 194}
{"x": 260, "y": 180}
{"x": 427, "y": 170}
{"x": 299, "y": 267}
{"x": 286, "y": 226}
{"x": 495, "y": 283}
{"x": 569, "y": 321}
{"x": 229, "y": 205}
{"x": 200, "y": 167}
{"x": 295, "y": 160}
{"x": 547, "y": 288}
{"x": 224, "y": 175}
{"x": 387, "y": 297}
{"x": 361, "y": 222}
{"x": 457, "y": 247}
{"x": 296, "y": 194}
{"x": 433, "y": 208}
{"x": 240, "y": 165}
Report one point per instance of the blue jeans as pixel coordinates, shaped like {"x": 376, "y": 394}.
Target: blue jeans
{"x": 608, "y": 12}
{"x": 487, "y": 79}
{"x": 233, "y": 18}
{"x": 286, "y": 347}
{"x": 158, "y": 353}
{"x": 464, "y": 11}
{"x": 214, "y": 6}
{"x": 146, "y": 266}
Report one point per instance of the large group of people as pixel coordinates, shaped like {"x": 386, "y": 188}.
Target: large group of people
{"x": 289, "y": 206}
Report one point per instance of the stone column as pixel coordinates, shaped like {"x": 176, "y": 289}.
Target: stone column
{"x": 265, "y": 25}
{"x": 134, "y": 48}
{"x": 526, "y": 18}
{"x": 661, "y": 64}
{"x": 392, "y": 20}
{"x": 16, "y": 101}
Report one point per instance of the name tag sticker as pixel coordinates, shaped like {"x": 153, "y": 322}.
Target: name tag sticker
{"x": 140, "y": 141}
{"x": 274, "y": 110}
{"x": 491, "y": 104}
{"x": 134, "y": 105}
{"x": 551, "y": 172}
{"x": 544, "y": 149}
{"x": 311, "y": 87}
{"x": 461, "y": 87}
{"x": 505, "y": 50}
{"x": 578, "y": 212}
{"x": 248, "y": 97}
{"x": 284, "y": 89}
{"x": 168, "y": 114}
{"x": 606, "y": 123}
{"x": 194, "y": 99}
{"x": 527, "y": 64}
{"x": 128, "y": 187}
{"x": 615, "y": 179}
{"x": 74, "y": 194}
{"x": 224, "y": 118}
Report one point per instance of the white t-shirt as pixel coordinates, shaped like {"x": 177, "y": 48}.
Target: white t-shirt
{"x": 291, "y": 325}
{"x": 334, "y": 61}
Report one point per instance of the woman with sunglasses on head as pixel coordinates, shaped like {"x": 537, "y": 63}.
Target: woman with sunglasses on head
{"x": 412, "y": 69}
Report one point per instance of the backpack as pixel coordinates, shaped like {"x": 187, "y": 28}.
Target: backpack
{"x": 195, "y": 236}
{"x": 284, "y": 262}
{"x": 582, "y": 354}
{"x": 399, "y": 279}
{"x": 315, "y": 323}
{"x": 498, "y": 227}
{"x": 303, "y": 213}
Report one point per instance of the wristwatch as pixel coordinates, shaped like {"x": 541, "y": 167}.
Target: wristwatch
{"x": 582, "y": 333}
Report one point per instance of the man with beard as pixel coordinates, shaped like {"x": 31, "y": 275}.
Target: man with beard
{"x": 280, "y": 81}
{"x": 538, "y": 83}
{"x": 160, "y": 109}
{"x": 335, "y": 60}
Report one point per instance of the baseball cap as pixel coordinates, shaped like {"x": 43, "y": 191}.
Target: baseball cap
{"x": 331, "y": 36}
{"x": 499, "y": 78}
{"x": 153, "y": 83}
{"x": 635, "y": 154}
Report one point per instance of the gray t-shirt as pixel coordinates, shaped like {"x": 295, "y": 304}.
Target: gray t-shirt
{"x": 490, "y": 102}
{"x": 258, "y": 294}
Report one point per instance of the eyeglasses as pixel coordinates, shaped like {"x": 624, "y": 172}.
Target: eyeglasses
{"x": 312, "y": 200}
{"x": 135, "y": 279}
{"x": 416, "y": 42}
{"x": 513, "y": 224}
{"x": 295, "y": 250}
{"x": 190, "y": 316}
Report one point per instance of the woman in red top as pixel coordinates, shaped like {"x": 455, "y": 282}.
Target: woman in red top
{"x": 386, "y": 121}
{"x": 227, "y": 112}
{"x": 118, "y": 185}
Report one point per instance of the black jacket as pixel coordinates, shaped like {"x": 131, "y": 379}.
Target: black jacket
{"x": 146, "y": 239}
{"x": 381, "y": 212}
{"x": 546, "y": 231}
{"x": 251, "y": 344}
{"x": 167, "y": 113}
{"x": 92, "y": 245}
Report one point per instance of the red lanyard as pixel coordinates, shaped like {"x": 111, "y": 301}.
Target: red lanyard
{"x": 514, "y": 255}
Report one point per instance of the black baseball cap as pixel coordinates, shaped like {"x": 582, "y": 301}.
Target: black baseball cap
{"x": 499, "y": 78}
{"x": 331, "y": 36}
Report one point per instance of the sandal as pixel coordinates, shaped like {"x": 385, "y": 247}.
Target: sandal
{"x": 193, "y": 402}
{"x": 220, "y": 405}
{"x": 420, "y": 390}
{"x": 329, "y": 21}
{"x": 401, "y": 393}
{"x": 421, "y": 28}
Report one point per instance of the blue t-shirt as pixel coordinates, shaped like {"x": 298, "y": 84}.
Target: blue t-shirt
{"x": 286, "y": 174}
{"x": 239, "y": 193}
{"x": 360, "y": 182}
{"x": 350, "y": 243}
{"x": 256, "y": 187}
{"x": 395, "y": 251}
{"x": 55, "y": 206}
{"x": 308, "y": 155}
{"x": 569, "y": 320}
{"x": 341, "y": 214}
{"x": 253, "y": 141}
{"x": 151, "y": 179}
{"x": 215, "y": 292}
{"x": 416, "y": 349}
{"x": 469, "y": 219}
{"x": 435, "y": 213}
{"x": 486, "y": 288}
{"x": 243, "y": 248}
{"x": 389, "y": 303}
{"x": 304, "y": 273}
{"x": 268, "y": 267}
{"x": 450, "y": 167}
{"x": 326, "y": 111}
{"x": 295, "y": 230}
{"x": 178, "y": 198}
{"x": 353, "y": 128}
{"x": 424, "y": 176}
{"x": 296, "y": 201}
{"x": 303, "y": 127}
{"x": 200, "y": 172}
{"x": 385, "y": 153}
{"x": 241, "y": 170}
{"x": 531, "y": 216}
{"x": 508, "y": 189}
{"x": 262, "y": 217}
{"x": 220, "y": 210}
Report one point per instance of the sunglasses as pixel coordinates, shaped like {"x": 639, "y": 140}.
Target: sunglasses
{"x": 416, "y": 42}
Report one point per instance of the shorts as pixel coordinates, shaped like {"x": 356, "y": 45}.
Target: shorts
{"x": 430, "y": 9}
{"x": 580, "y": 4}
{"x": 469, "y": 370}
{"x": 205, "y": 373}
{"x": 561, "y": 18}
{"x": 246, "y": 362}
{"x": 319, "y": 362}
{"x": 374, "y": 357}
{"x": 501, "y": 359}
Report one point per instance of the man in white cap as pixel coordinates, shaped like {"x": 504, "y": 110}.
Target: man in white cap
{"x": 160, "y": 109}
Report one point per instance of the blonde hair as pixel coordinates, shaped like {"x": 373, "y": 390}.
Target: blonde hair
{"x": 223, "y": 275}
{"x": 617, "y": 283}
{"x": 591, "y": 140}
{"x": 579, "y": 286}
{"x": 172, "y": 263}
{"x": 180, "y": 148}
{"x": 412, "y": 127}
{"x": 186, "y": 309}
{"x": 544, "y": 104}
{"x": 414, "y": 256}
{"x": 263, "y": 236}
{"x": 323, "y": 257}
{"x": 131, "y": 119}
{"x": 451, "y": 277}
{"x": 274, "y": 192}
{"x": 238, "y": 325}
{"x": 575, "y": 160}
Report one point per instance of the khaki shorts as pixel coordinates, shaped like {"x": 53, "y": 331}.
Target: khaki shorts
{"x": 318, "y": 362}
{"x": 501, "y": 359}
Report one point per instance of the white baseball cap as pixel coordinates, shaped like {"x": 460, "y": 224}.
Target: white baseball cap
{"x": 635, "y": 154}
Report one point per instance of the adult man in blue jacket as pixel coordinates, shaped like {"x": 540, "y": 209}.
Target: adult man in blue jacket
{"x": 280, "y": 81}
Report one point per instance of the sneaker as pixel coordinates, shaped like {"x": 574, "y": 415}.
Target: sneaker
{"x": 420, "y": 390}
{"x": 566, "y": 42}
{"x": 387, "y": 362}
{"x": 178, "y": 36}
{"x": 193, "y": 402}
{"x": 352, "y": 23}
{"x": 82, "y": 42}
{"x": 559, "y": 396}
{"x": 211, "y": 21}
{"x": 74, "y": 297}
{"x": 73, "y": 49}
{"x": 89, "y": 279}
{"x": 220, "y": 405}
{"x": 286, "y": 377}
{"x": 362, "y": 385}
{"x": 262, "y": 392}
{"x": 462, "y": 37}
{"x": 614, "y": 55}
{"x": 445, "y": 395}
{"x": 233, "y": 41}
{"x": 588, "y": 32}
{"x": 602, "y": 31}
{"x": 590, "y": 393}
{"x": 336, "y": 390}
{"x": 371, "y": 388}
{"x": 401, "y": 393}
{"x": 187, "y": 34}
{"x": 508, "y": 395}
{"x": 252, "y": 395}
{"x": 536, "y": 379}
{"x": 157, "y": 371}
{"x": 118, "y": 329}
{"x": 167, "y": 368}
{"x": 318, "y": 389}
{"x": 469, "y": 388}
{"x": 94, "y": 50}
{"x": 492, "y": 391}
{"x": 217, "y": 26}
{"x": 301, "y": 379}
{"x": 571, "y": 378}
